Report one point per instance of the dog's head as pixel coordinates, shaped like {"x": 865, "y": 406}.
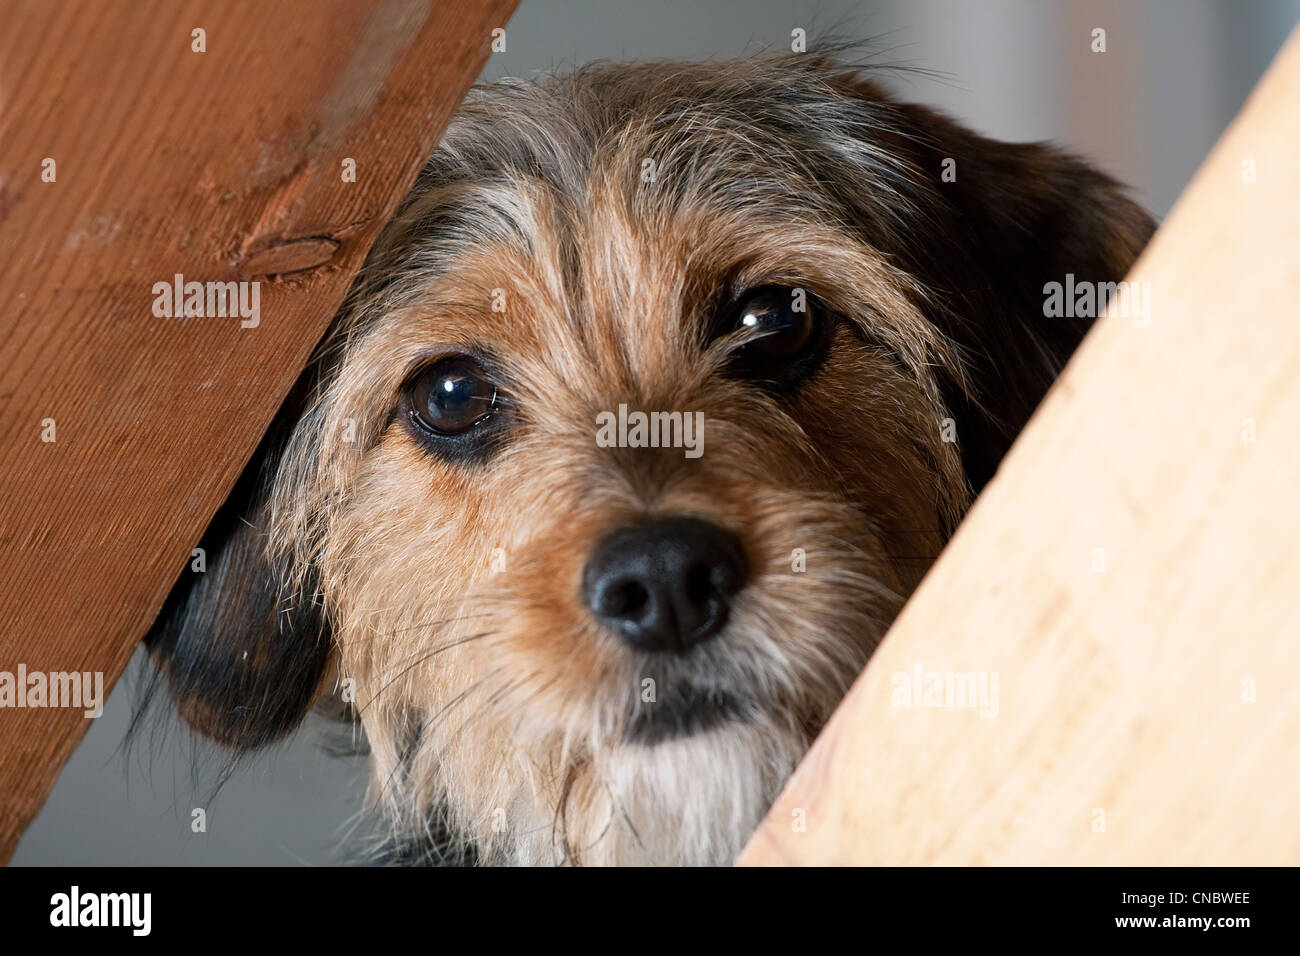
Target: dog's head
{"x": 652, "y": 406}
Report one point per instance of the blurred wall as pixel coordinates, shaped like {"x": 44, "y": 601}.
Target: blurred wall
{"x": 1147, "y": 110}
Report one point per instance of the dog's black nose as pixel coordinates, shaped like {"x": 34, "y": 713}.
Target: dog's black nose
{"x": 665, "y": 585}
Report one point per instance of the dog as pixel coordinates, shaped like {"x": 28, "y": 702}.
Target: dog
{"x": 480, "y": 522}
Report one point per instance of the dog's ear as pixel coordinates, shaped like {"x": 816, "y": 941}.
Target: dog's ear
{"x": 1025, "y": 216}
{"x": 997, "y": 223}
{"x": 243, "y": 658}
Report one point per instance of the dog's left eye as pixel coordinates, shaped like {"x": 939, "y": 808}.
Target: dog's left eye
{"x": 781, "y": 320}
{"x": 782, "y": 336}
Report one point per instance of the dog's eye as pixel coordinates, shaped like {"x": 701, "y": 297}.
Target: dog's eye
{"x": 780, "y": 319}
{"x": 781, "y": 335}
{"x": 451, "y": 396}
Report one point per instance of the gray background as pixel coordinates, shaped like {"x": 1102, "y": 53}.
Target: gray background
{"x": 1147, "y": 111}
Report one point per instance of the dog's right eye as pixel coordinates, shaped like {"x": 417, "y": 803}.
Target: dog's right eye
{"x": 451, "y": 396}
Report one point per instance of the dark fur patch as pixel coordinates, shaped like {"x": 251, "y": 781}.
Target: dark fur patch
{"x": 243, "y": 659}
{"x": 1017, "y": 217}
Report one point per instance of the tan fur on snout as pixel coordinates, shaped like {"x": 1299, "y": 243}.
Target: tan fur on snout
{"x": 611, "y": 213}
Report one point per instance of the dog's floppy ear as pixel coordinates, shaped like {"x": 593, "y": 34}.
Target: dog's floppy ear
{"x": 1000, "y": 222}
{"x": 244, "y": 660}
{"x": 1027, "y": 216}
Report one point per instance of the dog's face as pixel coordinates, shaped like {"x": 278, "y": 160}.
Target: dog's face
{"x": 653, "y": 405}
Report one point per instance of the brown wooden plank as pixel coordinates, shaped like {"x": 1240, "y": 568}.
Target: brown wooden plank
{"x": 220, "y": 165}
{"x": 1147, "y": 711}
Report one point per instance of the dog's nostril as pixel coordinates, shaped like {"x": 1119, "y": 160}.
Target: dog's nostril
{"x": 623, "y": 598}
{"x": 700, "y": 582}
{"x": 665, "y": 585}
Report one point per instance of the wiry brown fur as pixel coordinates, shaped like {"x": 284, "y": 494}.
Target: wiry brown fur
{"x": 490, "y": 691}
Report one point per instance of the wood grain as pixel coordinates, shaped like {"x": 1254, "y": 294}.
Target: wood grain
{"x": 222, "y": 165}
{"x": 1132, "y": 577}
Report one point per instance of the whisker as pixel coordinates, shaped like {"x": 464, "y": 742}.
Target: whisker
{"x": 420, "y": 660}
{"x": 426, "y": 726}
{"x": 415, "y": 627}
